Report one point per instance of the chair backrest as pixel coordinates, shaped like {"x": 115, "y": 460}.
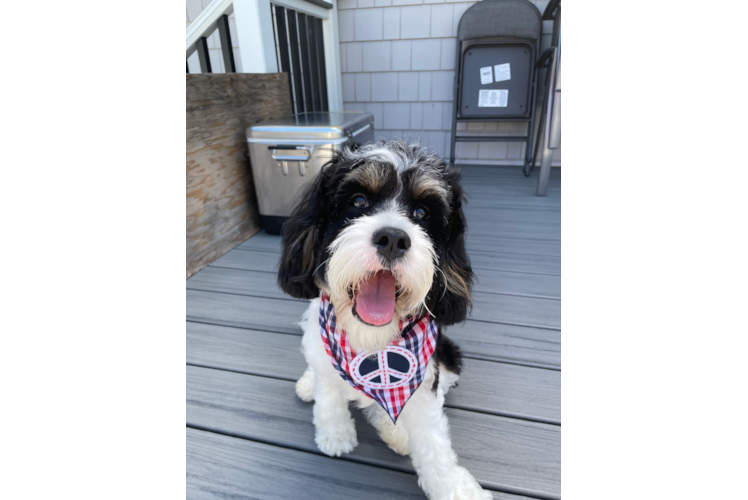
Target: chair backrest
{"x": 500, "y": 18}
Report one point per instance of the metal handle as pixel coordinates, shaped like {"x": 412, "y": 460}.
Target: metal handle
{"x": 366, "y": 127}
{"x": 279, "y": 157}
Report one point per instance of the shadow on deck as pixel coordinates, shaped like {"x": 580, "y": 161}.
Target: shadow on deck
{"x": 249, "y": 436}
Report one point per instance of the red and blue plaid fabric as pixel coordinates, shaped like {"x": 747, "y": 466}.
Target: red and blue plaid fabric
{"x": 389, "y": 376}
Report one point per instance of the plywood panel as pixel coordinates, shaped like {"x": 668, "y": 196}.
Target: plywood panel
{"x": 221, "y": 202}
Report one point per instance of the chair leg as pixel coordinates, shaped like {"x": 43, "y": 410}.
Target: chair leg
{"x": 545, "y": 172}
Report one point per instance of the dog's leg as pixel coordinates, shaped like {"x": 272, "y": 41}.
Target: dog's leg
{"x": 305, "y": 386}
{"x": 439, "y": 475}
{"x": 335, "y": 428}
{"x": 394, "y": 436}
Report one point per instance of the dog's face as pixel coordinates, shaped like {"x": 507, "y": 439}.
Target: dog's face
{"x": 381, "y": 231}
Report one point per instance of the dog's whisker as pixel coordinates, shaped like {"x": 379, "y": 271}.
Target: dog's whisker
{"x": 443, "y": 284}
{"x": 317, "y": 269}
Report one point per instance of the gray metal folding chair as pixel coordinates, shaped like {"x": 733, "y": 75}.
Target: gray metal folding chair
{"x": 495, "y": 73}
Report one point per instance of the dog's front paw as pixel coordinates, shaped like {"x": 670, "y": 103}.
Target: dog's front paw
{"x": 396, "y": 439}
{"x": 305, "y": 386}
{"x": 468, "y": 488}
{"x": 342, "y": 440}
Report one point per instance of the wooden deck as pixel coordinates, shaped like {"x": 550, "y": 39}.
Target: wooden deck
{"x": 249, "y": 436}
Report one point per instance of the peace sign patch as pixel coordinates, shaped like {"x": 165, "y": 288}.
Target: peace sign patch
{"x": 390, "y": 368}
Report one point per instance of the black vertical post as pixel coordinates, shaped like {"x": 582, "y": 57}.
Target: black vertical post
{"x": 228, "y": 51}
{"x": 202, "y": 53}
{"x": 312, "y": 30}
{"x": 188, "y": 67}
{"x": 294, "y": 49}
{"x": 306, "y": 67}
{"x": 321, "y": 62}
{"x": 280, "y": 20}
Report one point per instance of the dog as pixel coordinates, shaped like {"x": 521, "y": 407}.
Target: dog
{"x": 377, "y": 241}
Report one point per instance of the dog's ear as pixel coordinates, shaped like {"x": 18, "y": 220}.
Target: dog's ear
{"x": 456, "y": 277}
{"x": 301, "y": 239}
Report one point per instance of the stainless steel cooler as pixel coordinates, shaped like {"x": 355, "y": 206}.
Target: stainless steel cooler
{"x": 286, "y": 153}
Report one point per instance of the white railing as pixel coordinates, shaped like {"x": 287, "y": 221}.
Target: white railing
{"x": 254, "y": 30}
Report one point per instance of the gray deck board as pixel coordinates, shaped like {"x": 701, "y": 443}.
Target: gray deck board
{"x": 222, "y": 467}
{"x": 472, "y": 171}
{"x": 256, "y": 260}
{"x": 247, "y": 311}
{"x": 502, "y": 453}
{"x": 249, "y": 260}
{"x": 264, "y": 284}
{"x": 518, "y": 283}
{"x": 256, "y": 283}
{"x": 273, "y": 315}
{"x": 526, "y": 311}
{"x": 524, "y": 391}
{"x": 516, "y": 262}
{"x": 495, "y": 243}
{"x": 500, "y": 341}
{"x": 515, "y": 230}
{"x": 508, "y": 342}
{"x": 480, "y": 241}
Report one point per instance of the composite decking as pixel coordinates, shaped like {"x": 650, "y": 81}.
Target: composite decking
{"x": 249, "y": 436}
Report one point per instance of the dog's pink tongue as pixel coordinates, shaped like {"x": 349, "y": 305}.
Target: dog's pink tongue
{"x": 375, "y": 299}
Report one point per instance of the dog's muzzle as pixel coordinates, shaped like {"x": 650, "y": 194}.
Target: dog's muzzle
{"x": 391, "y": 243}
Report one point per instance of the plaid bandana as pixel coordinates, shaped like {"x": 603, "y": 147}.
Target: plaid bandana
{"x": 389, "y": 376}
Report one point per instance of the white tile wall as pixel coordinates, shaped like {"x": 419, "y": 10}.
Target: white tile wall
{"x": 377, "y": 56}
{"x": 354, "y": 57}
{"x": 401, "y": 55}
{"x": 391, "y": 19}
{"x": 396, "y": 115}
{"x": 397, "y": 59}
{"x": 424, "y": 86}
{"x": 441, "y": 20}
{"x": 368, "y": 24}
{"x": 384, "y": 87}
{"x": 416, "y": 116}
{"x": 426, "y": 54}
{"x": 408, "y": 87}
{"x": 363, "y": 87}
{"x": 415, "y": 21}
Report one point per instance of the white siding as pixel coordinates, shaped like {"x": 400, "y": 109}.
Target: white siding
{"x": 397, "y": 58}
{"x": 399, "y": 64}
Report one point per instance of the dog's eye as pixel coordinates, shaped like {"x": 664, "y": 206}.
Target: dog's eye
{"x": 420, "y": 213}
{"x": 359, "y": 201}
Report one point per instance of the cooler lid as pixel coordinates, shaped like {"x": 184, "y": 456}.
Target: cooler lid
{"x": 312, "y": 128}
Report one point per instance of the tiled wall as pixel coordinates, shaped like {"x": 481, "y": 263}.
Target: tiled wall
{"x": 398, "y": 59}
{"x": 194, "y": 8}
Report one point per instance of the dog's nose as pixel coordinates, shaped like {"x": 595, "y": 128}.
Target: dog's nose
{"x": 391, "y": 242}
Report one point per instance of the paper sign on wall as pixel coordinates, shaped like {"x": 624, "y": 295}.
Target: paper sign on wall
{"x": 485, "y": 75}
{"x": 503, "y": 72}
{"x": 493, "y": 98}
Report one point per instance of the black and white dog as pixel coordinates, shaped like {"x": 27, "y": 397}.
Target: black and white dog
{"x": 380, "y": 235}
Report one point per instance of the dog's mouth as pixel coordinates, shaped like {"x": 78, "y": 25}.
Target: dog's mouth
{"x": 374, "y": 299}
